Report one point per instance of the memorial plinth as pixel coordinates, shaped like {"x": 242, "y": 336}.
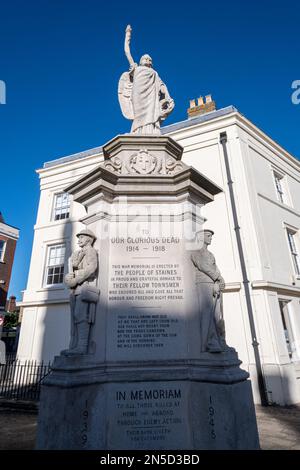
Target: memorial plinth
{"x": 145, "y": 383}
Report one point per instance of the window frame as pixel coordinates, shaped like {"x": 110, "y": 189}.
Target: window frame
{"x": 280, "y": 189}
{"x": 2, "y": 254}
{"x": 285, "y": 314}
{"x": 55, "y": 208}
{"x": 291, "y": 233}
{"x": 48, "y": 265}
{"x": 281, "y": 186}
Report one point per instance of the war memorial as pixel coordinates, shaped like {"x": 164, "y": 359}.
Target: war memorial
{"x": 148, "y": 366}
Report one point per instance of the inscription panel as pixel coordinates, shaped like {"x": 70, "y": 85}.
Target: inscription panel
{"x": 148, "y": 416}
{"x": 146, "y": 298}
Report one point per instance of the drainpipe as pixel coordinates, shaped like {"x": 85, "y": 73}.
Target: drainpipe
{"x": 237, "y": 229}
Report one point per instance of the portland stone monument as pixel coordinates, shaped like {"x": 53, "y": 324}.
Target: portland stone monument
{"x": 148, "y": 366}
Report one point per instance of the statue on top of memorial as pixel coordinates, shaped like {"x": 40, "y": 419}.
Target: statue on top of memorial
{"x": 143, "y": 96}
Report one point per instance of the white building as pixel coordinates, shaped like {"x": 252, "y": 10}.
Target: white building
{"x": 256, "y": 243}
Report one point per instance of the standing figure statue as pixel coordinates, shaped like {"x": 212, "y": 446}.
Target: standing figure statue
{"x": 209, "y": 285}
{"x": 81, "y": 280}
{"x": 143, "y": 96}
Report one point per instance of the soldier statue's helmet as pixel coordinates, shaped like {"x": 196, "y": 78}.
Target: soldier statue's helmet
{"x": 87, "y": 232}
{"x": 205, "y": 230}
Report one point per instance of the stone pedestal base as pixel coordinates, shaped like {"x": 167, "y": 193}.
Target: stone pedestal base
{"x": 168, "y": 405}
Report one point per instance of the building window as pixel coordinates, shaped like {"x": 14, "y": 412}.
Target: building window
{"x": 279, "y": 183}
{"x": 61, "y": 206}
{"x": 55, "y": 265}
{"x": 288, "y": 333}
{"x": 293, "y": 250}
{"x": 2, "y": 250}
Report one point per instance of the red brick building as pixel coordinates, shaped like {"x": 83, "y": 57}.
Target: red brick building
{"x": 8, "y": 240}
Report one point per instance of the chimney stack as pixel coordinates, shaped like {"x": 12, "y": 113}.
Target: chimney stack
{"x": 201, "y": 107}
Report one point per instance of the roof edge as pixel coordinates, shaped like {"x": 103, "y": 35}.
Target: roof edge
{"x": 199, "y": 119}
{"x": 73, "y": 156}
{"x": 172, "y": 127}
{"x": 219, "y": 113}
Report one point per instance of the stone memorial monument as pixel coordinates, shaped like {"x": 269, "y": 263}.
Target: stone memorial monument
{"x": 148, "y": 366}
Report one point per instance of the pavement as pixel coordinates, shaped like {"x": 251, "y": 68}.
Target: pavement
{"x": 279, "y": 427}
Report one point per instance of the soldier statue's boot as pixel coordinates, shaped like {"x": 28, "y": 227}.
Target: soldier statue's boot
{"x": 83, "y": 338}
{"x": 66, "y": 352}
{"x": 215, "y": 348}
{"x": 213, "y": 345}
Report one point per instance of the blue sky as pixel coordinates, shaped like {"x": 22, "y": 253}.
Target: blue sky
{"x": 61, "y": 61}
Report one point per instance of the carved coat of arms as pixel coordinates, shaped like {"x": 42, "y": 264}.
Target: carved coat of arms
{"x": 142, "y": 162}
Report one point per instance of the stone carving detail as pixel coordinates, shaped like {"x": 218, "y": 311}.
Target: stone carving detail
{"x": 84, "y": 294}
{"x": 209, "y": 285}
{"x": 114, "y": 165}
{"x": 173, "y": 166}
{"x": 144, "y": 163}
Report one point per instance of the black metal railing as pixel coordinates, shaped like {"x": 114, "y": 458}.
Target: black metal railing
{"x": 22, "y": 380}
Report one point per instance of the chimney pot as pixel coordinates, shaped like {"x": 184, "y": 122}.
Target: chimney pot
{"x": 201, "y": 107}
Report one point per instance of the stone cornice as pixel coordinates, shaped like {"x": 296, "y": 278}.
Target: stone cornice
{"x": 274, "y": 286}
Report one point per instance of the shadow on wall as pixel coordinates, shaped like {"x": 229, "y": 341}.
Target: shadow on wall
{"x": 283, "y": 390}
{"x": 54, "y": 318}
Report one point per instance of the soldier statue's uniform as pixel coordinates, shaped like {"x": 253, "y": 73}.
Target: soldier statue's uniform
{"x": 209, "y": 285}
{"x": 84, "y": 294}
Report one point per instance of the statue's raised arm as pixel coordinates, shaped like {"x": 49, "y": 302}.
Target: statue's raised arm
{"x": 127, "y": 46}
{"x": 143, "y": 97}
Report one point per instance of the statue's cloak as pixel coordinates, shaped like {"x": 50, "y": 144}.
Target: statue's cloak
{"x": 139, "y": 96}
{"x": 145, "y": 97}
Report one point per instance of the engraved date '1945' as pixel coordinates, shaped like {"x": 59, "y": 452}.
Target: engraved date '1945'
{"x": 84, "y": 425}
